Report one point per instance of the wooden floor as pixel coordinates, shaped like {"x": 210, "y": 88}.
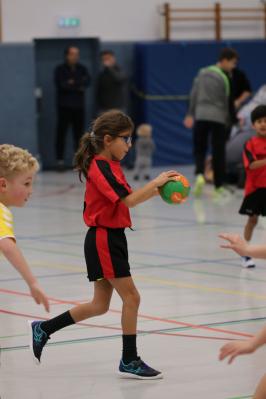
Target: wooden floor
{"x": 195, "y": 297}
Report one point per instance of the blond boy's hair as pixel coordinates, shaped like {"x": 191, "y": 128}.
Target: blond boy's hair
{"x": 14, "y": 160}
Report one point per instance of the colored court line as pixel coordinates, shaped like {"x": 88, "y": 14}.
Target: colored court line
{"x": 176, "y": 267}
{"x": 154, "y": 318}
{"x": 5, "y": 280}
{"x": 149, "y": 279}
{"x": 241, "y": 397}
{"x": 106, "y": 337}
{"x": 174, "y": 284}
{"x": 199, "y": 287}
{"x": 169, "y": 317}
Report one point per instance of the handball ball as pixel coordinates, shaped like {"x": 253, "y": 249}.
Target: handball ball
{"x": 175, "y": 191}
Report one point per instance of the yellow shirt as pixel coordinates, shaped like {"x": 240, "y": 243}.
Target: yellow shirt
{"x": 6, "y": 223}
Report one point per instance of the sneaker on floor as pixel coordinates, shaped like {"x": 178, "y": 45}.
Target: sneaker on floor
{"x": 38, "y": 339}
{"x": 199, "y": 184}
{"x": 247, "y": 262}
{"x": 222, "y": 195}
{"x": 137, "y": 369}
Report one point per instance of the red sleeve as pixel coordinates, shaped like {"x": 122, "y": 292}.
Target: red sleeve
{"x": 106, "y": 182}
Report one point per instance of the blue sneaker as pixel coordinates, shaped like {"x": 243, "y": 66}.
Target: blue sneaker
{"x": 137, "y": 369}
{"x": 38, "y": 339}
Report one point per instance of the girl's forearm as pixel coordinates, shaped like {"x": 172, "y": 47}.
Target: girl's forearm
{"x": 141, "y": 195}
{"x": 257, "y": 164}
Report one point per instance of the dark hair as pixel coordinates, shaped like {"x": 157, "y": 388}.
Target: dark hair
{"x": 228, "y": 54}
{"x": 113, "y": 123}
{"x": 67, "y": 49}
{"x": 106, "y": 52}
{"x": 257, "y": 113}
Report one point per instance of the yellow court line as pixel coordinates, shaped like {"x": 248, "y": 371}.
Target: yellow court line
{"x": 161, "y": 281}
{"x": 58, "y": 266}
{"x": 199, "y": 287}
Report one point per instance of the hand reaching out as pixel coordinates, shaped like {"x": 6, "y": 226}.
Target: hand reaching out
{"x": 236, "y": 243}
{"x": 39, "y": 296}
{"x": 237, "y": 348}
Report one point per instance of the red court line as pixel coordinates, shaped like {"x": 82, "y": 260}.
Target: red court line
{"x": 181, "y": 323}
{"x": 154, "y": 318}
{"x": 34, "y": 317}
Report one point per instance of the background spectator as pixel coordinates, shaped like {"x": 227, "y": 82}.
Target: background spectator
{"x": 71, "y": 80}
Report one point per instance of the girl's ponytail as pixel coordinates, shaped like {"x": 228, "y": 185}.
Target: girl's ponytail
{"x": 85, "y": 154}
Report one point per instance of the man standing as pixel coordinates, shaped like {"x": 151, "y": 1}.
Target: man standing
{"x": 112, "y": 84}
{"x": 209, "y": 114}
{"x": 71, "y": 80}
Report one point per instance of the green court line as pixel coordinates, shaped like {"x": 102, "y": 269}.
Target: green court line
{"x": 168, "y": 317}
{"x": 241, "y": 397}
{"x": 176, "y": 329}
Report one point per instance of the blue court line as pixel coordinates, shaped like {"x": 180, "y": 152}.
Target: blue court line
{"x": 66, "y": 274}
{"x": 143, "y": 217}
{"x": 192, "y": 260}
{"x": 176, "y": 267}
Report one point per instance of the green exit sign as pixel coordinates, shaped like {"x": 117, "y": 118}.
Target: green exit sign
{"x": 70, "y": 22}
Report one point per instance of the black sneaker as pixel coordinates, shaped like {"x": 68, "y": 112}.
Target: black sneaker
{"x": 38, "y": 339}
{"x": 137, "y": 369}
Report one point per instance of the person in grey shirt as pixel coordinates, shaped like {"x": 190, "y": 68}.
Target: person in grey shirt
{"x": 209, "y": 114}
{"x": 144, "y": 150}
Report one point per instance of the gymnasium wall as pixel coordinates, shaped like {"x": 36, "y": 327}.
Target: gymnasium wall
{"x": 164, "y": 75}
{"x": 114, "y": 20}
{"x": 17, "y": 111}
{"x": 161, "y": 74}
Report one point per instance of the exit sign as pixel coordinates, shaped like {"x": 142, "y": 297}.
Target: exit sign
{"x": 70, "y": 22}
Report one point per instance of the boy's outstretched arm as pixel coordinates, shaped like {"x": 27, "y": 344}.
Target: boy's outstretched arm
{"x": 13, "y": 254}
{"x": 234, "y": 349}
{"x": 241, "y": 247}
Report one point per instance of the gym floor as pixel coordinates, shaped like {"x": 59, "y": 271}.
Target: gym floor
{"x": 195, "y": 297}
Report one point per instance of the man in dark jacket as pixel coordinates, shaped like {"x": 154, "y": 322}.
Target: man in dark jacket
{"x": 71, "y": 80}
{"x": 112, "y": 84}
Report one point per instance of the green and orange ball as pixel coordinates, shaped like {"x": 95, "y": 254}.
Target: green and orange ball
{"x": 175, "y": 191}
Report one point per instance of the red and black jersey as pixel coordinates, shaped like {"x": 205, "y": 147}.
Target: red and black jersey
{"x": 105, "y": 186}
{"x": 254, "y": 150}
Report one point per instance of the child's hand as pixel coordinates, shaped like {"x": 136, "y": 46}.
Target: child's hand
{"x": 236, "y": 243}
{"x": 165, "y": 177}
{"x": 39, "y": 296}
{"x": 234, "y": 349}
{"x": 188, "y": 122}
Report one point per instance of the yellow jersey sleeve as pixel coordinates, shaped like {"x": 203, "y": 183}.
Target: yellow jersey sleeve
{"x": 6, "y": 223}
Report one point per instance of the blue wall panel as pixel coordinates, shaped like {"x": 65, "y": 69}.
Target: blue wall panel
{"x": 17, "y": 111}
{"x": 165, "y": 69}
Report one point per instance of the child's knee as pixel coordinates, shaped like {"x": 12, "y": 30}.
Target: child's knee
{"x": 133, "y": 299}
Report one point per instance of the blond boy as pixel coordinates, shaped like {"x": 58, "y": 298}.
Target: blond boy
{"x": 17, "y": 170}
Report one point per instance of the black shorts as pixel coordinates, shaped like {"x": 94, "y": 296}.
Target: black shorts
{"x": 254, "y": 203}
{"x": 106, "y": 253}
